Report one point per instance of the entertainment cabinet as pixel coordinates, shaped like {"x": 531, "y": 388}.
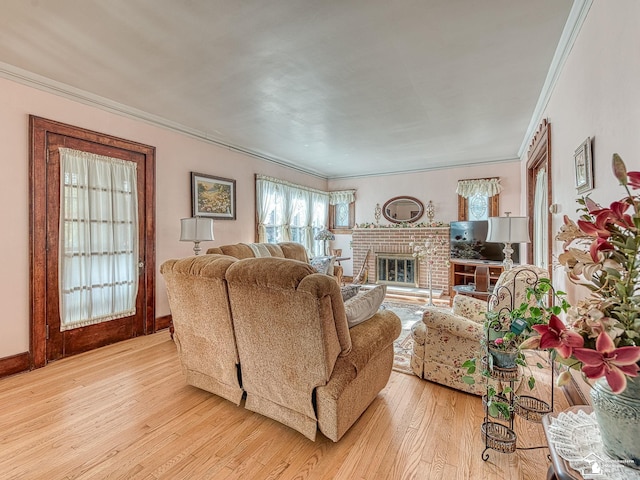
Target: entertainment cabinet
{"x": 462, "y": 273}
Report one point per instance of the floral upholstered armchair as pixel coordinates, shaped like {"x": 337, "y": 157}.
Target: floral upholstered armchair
{"x": 446, "y": 338}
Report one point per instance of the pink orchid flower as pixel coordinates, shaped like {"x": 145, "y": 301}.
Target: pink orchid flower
{"x": 634, "y": 179}
{"x": 608, "y": 361}
{"x": 556, "y": 335}
{"x": 599, "y": 245}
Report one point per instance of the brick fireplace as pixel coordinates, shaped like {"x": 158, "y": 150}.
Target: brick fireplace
{"x": 394, "y": 242}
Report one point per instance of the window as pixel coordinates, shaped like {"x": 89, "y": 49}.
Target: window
{"x": 342, "y": 211}
{"x": 290, "y": 213}
{"x": 478, "y": 199}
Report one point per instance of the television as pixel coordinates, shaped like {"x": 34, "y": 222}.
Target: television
{"x": 468, "y": 242}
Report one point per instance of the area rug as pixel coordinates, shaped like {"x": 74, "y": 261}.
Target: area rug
{"x": 409, "y": 314}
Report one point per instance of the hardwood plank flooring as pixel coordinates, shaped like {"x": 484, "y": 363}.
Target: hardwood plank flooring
{"x": 124, "y": 412}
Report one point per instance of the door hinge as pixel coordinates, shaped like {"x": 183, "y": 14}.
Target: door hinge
{"x": 47, "y": 332}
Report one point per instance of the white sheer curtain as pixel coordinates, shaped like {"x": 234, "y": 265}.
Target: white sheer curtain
{"x": 540, "y": 213}
{"x": 265, "y": 198}
{"x": 98, "y": 261}
{"x": 290, "y": 197}
{"x": 282, "y": 205}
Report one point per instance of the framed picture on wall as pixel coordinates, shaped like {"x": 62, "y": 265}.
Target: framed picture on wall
{"x": 584, "y": 167}
{"x": 213, "y": 197}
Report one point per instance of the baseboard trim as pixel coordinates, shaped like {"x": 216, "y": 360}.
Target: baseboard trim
{"x": 15, "y": 364}
{"x": 163, "y": 322}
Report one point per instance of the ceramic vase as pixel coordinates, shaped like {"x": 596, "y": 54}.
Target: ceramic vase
{"x": 502, "y": 358}
{"x": 618, "y": 418}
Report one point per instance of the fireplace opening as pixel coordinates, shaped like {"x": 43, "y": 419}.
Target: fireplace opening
{"x": 396, "y": 269}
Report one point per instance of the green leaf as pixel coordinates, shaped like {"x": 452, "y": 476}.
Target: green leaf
{"x": 468, "y": 380}
{"x": 531, "y": 383}
{"x": 493, "y": 409}
{"x": 539, "y": 365}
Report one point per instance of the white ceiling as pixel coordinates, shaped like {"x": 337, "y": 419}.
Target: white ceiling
{"x": 337, "y": 88}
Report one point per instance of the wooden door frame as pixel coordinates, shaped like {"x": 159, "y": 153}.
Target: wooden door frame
{"x": 539, "y": 156}
{"x": 39, "y": 129}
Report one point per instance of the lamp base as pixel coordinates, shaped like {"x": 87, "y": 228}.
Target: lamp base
{"x": 196, "y": 248}
{"x": 508, "y": 251}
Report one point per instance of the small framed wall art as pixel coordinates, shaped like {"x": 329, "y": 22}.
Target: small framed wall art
{"x": 584, "y": 167}
{"x": 213, "y": 197}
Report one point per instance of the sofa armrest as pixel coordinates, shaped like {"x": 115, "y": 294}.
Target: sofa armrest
{"x": 370, "y": 337}
{"x": 337, "y": 272}
{"x": 469, "y": 307}
{"x": 438, "y": 319}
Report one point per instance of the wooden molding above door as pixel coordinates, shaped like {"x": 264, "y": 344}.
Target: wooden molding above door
{"x": 539, "y": 156}
{"x": 40, "y": 131}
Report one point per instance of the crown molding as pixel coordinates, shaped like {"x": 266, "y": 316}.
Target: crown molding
{"x": 572, "y": 27}
{"x": 48, "y": 85}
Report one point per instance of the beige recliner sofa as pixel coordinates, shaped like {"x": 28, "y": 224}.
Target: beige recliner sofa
{"x": 299, "y": 362}
{"x": 202, "y": 326}
{"x": 292, "y": 250}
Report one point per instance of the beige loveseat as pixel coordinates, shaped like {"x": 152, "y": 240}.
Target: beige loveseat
{"x": 297, "y": 360}
{"x": 292, "y": 250}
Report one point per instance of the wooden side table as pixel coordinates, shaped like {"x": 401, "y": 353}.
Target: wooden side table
{"x": 560, "y": 468}
{"x": 472, "y": 292}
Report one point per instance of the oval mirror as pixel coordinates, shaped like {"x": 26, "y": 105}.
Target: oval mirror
{"x": 403, "y": 209}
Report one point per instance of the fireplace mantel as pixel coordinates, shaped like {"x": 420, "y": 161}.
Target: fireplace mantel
{"x": 367, "y": 242}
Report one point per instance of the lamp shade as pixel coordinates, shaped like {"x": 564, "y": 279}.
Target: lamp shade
{"x": 196, "y": 229}
{"x": 324, "y": 235}
{"x": 508, "y": 230}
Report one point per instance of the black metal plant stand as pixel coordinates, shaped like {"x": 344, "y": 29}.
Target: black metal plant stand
{"x": 498, "y": 431}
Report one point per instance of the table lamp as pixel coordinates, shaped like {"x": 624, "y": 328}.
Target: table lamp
{"x": 508, "y": 230}
{"x": 196, "y": 230}
{"x": 325, "y": 235}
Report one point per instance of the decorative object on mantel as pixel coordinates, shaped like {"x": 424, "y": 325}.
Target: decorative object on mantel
{"x": 430, "y": 210}
{"x": 403, "y": 225}
{"x": 325, "y": 235}
{"x": 508, "y": 230}
{"x": 428, "y": 252}
{"x": 602, "y": 253}
{"x": 377, "y": 212}
{"x": 196, "y": 230}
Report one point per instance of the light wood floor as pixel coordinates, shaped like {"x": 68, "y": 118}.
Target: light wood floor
{"x": 124, "y": 411}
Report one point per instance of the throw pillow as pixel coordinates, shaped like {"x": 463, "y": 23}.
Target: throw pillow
{"x": 364, "y": 305}
{"x": 323, "y": 264}
{"x": 349, "y": 291}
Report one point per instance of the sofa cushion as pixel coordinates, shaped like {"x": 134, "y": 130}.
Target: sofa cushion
{"x": 364, "y": 305}
{"x": 323, "y": 264}
{"x": 349, "y": 291}
{"x": 259, "y": 250}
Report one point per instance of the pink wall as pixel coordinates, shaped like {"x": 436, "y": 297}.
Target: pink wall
{"x": 176, "y": 156}
{"x": 596, "y": 96}
{"x": 438, "y": 186}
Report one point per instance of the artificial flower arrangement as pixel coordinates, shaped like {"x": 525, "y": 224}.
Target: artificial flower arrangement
{"x": 601, "y": 252}
{"x": 403, "y": 225}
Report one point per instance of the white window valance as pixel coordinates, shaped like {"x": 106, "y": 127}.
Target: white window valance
{"x": 482, "y": 186}
{"x": 342, "y": 196}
